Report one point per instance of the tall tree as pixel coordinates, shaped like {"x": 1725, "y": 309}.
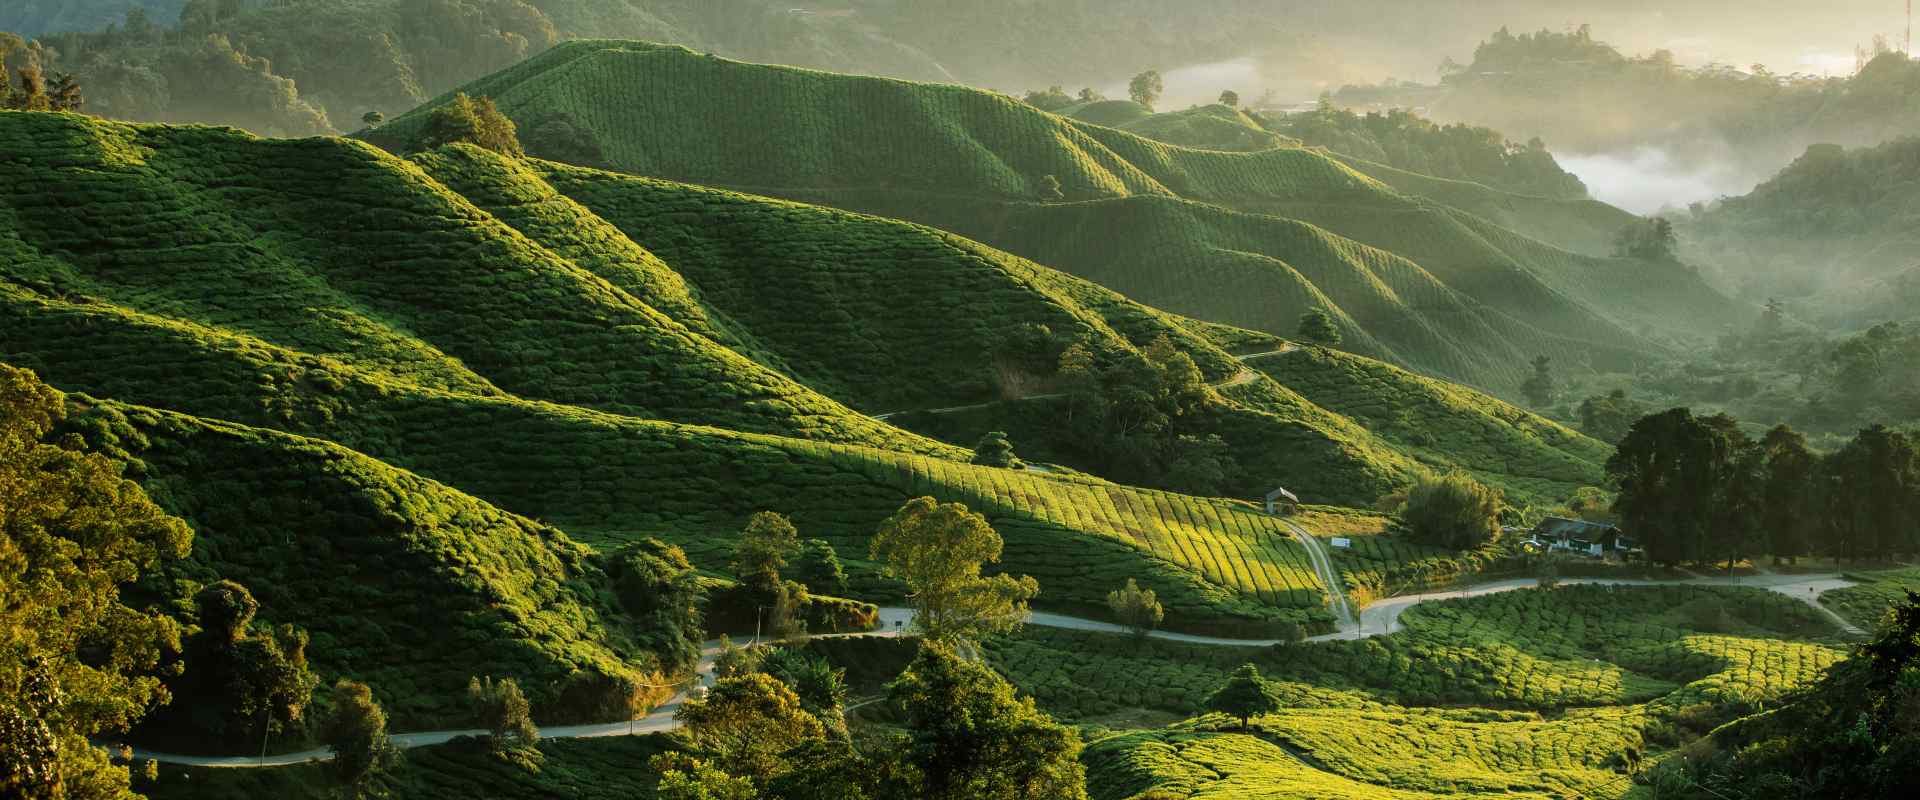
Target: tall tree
{"x": 1877, "y": 481}
{"x": 1146, "y": 88}
{"x": 1230, "y": 98}
{"x": 1790, "y": 494}
{"x": 1735, "y": 516}
{"x": 764, "y": 547}
{"x": 1540, "y": 388}
{"x": 971, "y": 739}
{"x": 74, "y": 660}
{"x": 355, "y": 730}
{"x": 501, "y": 708}
{"x": 818, "y": 568}
{"x": 1668, "y": 471}
{"x": 938, "y": 550}
{"x": 746, "y": 722}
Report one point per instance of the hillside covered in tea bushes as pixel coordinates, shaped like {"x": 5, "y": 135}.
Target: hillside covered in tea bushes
{"x": 1455, "y": 279}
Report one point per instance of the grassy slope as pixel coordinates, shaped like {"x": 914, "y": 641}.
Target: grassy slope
{"x": 1866, "y": 605}
{"x": 952, "y": 157}
{"x": 1559, "y": 685}
{"x": 403, "y": 582}
{"x": 1214, "y": 127}
{"x": 1447, "y": 426}
{"x": 256, "y": 314}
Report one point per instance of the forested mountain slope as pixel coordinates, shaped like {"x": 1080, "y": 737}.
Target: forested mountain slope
{"x": 1837, "y": 223}
{"x": 973, "y": 162}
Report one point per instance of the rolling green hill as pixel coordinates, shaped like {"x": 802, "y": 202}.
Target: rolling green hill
{"x": 1214, "y": 127}
{"x": 980, "y": 164}
{"x": 443, "y": 362}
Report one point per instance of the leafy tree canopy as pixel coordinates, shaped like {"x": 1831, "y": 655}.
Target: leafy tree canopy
{"x": 938, "y": 551}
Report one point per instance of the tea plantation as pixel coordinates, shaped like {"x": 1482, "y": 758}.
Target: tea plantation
{"x": 1441, "y": 276}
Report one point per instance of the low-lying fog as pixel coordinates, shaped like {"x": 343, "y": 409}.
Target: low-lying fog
{"x": 1648, "y": 180}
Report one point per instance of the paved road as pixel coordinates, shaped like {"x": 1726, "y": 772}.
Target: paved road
{"x": 1379, "y": 619}
{"x": 892, "y": 623}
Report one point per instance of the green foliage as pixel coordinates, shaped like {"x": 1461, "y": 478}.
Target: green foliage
{"x": 1609, "y": 417}
{"x": 500, "y": 708}
{"x": 938, "y": 550}
{"x": 1647, "y": 240}
{"x": 1540, "y": 389}
{"x": 1138, "y": 609}
{"x": 1145, "y": 88}
{"x": 993, "y": 450}
{"x": 1850, "y": 735}
{"x": 78, "y": 662}
{"x": 1403, "y": 139}
{"x": 1317, "y": 326}
{"x": 970, "y": 737}
{"x": 238, "y": 685}
{"x": 819, "y": 568}
{"x": 1244, "y": 696}
{"x": 821, "y": 687}
{"x": 355, "y": 729}
{"x": 763, "y": 549}
{"x": 734, "y": 661}
{"x": 464, "y": 120}
{"x": 1453, "y": 511}
{"x": 1230, "y": 98}
{"x": 746, "y": 722}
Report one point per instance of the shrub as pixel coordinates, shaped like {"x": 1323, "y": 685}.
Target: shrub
{"x": 994, "y": 450}
{"x": 1454, "y": 511}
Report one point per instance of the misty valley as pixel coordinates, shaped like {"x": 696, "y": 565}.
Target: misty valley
{"x": 959, "y": 399}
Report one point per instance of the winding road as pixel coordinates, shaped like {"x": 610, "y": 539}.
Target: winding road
{"x": 1379, "y": 619}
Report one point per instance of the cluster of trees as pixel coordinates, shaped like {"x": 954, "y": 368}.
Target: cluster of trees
{"x": 465, "y": 120}
{"x": 239, "y": 682}
{"x": 773, "y": 726}
{"x": 963, "y": 734}
{"x": 1404, "y": 139}
{"x": 1141, "y": 416}
{"x": 75, "y": 660}
{"x": 767, "y": 545}
{"x": 1318, "y": 327}
{"x": 1699, "y": 490}
{"x": 25, "y": 85}
{"x": 294, "y": 69}
{"x": 1649, "y": 239}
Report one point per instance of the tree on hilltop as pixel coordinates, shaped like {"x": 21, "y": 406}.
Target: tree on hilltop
{"x": 938, "y": 551}
{"x": 476, "y": 122}
{"x": 1146, "y": 88}
{"x": 1317, "y": 327}
{"x": 1230, "y": 98}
